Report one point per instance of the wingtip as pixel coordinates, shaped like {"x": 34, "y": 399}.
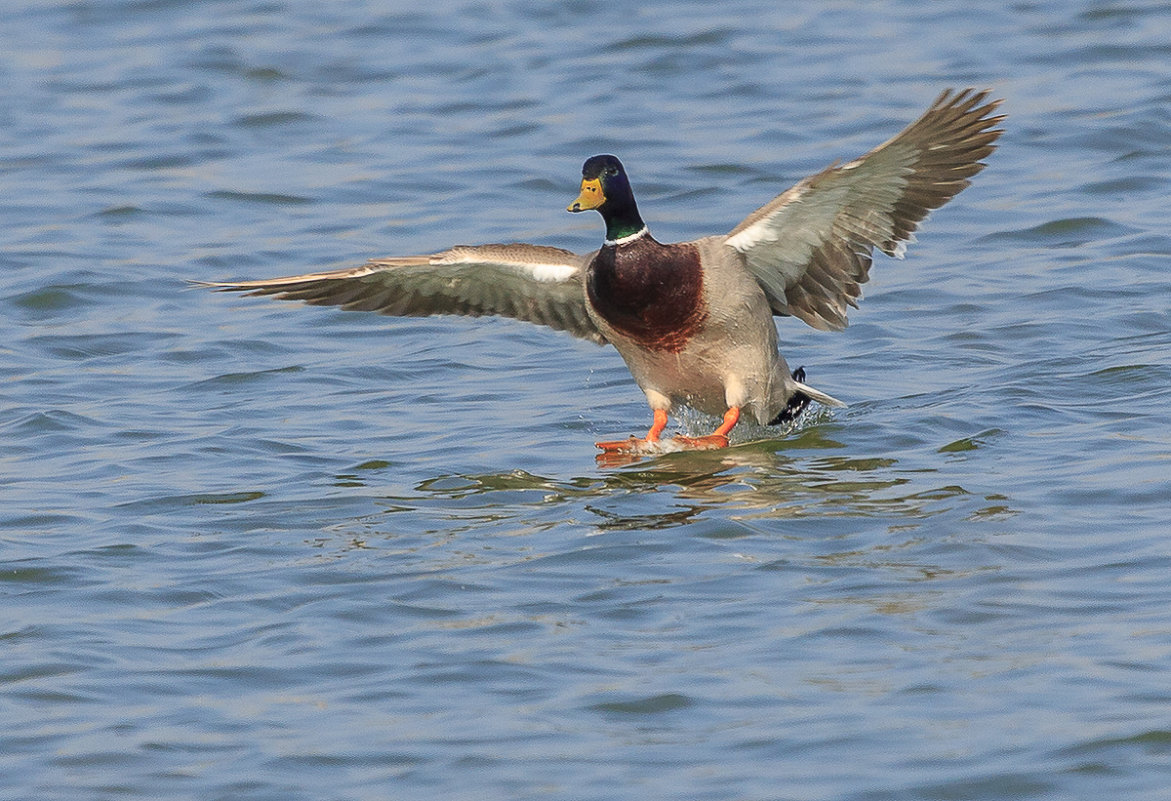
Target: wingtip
{"x": 216, "y": 286}
{"x": 195, "y": 283}
{"x": 968, "y": 100}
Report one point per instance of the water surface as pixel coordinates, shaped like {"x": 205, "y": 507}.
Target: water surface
{"x": 254, "y": 550}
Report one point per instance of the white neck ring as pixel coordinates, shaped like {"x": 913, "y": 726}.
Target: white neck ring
{"x": 622, "y": 240}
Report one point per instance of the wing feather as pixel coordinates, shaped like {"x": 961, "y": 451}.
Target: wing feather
{"x": 810, "y": 248}
{"x": 533, "y": 283}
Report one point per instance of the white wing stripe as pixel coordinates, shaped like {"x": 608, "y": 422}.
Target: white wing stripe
{"x": 551, "y": 273}
{"x": 544, "y": 272}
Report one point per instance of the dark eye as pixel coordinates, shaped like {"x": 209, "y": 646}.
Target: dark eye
{"x": 611, "y": 171}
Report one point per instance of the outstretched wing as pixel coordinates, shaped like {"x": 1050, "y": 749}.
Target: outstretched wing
{"x": 810, "y": 248}
{"x": 538, "y": 284}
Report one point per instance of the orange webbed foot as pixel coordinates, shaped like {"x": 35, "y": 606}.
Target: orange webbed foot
{"x": 634, "y": 444}
{"x": 715, "y": 440}
{"x": 710, "y": 442}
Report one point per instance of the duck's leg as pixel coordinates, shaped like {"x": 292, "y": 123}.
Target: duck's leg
{"x": 716, "y": 439}
{"x": 634, "y": 444}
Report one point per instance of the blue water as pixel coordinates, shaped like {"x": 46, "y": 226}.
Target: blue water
{"x": 255, "y": 550}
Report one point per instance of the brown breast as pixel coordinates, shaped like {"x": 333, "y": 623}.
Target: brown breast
{"x": 650, "y": 292}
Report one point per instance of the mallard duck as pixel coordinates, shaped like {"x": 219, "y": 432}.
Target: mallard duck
{"x": 694, "y": 320}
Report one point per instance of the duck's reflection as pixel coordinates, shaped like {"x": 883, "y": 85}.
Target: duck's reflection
{"x": 797, "y": 477}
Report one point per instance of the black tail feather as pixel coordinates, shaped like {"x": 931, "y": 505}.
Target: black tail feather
{"x": 796, "y": 403}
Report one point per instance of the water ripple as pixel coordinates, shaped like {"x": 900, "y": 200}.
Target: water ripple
{"x": 258, "y": 550}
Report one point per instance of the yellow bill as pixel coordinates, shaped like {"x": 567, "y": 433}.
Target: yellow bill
{"x": 591, "y": 195}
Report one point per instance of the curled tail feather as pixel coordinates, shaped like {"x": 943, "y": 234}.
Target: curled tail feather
{"x": 801, "y": 398}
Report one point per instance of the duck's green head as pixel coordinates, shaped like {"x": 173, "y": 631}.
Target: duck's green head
{"x": 605, "y": 187}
